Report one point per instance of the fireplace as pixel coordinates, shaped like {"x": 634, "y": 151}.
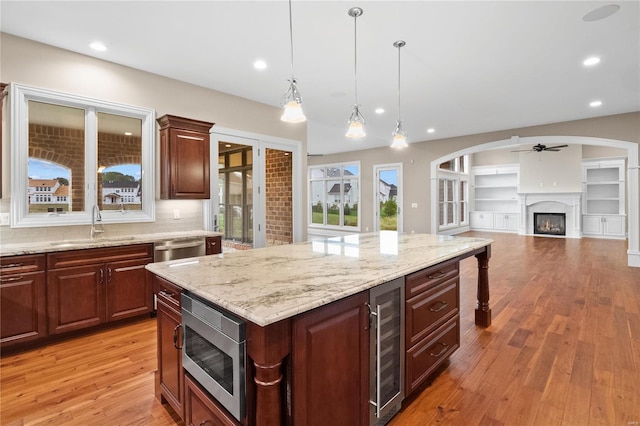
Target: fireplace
{"x": 549, "y": 223}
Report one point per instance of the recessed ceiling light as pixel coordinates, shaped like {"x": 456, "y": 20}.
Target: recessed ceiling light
{"x": 379, "y": 110}
{"x": 591, "y": 61}
{"x": 260, "y": 64}
{"x": 601, "y": 13}
{"x": 128, "y": 133}
{"x": 97, "y": 45}
{"x": 431, "y": 130}
{"x": 595, "y": 104}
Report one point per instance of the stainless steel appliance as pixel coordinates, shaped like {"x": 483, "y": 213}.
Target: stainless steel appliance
{"x": 386, "y": 304}
{"x": 213, "y": 352}
{"x": 178, "y": 249}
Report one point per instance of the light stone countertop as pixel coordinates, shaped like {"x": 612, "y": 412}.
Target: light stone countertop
{"x": 270, "y": 284}
{"x": 107, "y": 241}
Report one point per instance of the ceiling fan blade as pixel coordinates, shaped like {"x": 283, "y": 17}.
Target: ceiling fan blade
{"x": 553, "y": 149}
{"x": 549, "y": 148}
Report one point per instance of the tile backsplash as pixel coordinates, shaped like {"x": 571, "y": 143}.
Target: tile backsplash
{"x": 190, "y": 220}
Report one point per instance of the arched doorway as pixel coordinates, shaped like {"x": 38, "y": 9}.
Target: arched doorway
{"x": 633, "y": 190}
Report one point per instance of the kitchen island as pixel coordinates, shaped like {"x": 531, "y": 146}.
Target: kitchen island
{"x": 274, "y": 287}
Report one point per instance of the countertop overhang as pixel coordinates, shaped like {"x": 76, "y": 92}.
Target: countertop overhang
{"x": 270, "y": 284}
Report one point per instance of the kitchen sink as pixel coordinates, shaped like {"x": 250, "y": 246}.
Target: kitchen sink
{"x": 69, "y": 243}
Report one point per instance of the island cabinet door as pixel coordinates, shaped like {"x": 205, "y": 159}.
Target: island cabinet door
{"x": 170, "y": 356}
{"x": 23, "y": 315}
{"x": 330, "y": 359}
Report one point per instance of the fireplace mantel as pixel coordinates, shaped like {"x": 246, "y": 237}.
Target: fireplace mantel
{"x": 550, "y": 202}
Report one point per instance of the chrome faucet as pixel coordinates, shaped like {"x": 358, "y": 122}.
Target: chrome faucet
{"x": 96, "y": 222}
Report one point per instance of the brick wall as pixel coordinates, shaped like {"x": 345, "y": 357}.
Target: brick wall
{"x": 66, "y": 147}
{"x": 278, "y": 195}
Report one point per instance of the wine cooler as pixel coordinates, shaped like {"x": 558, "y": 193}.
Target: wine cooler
{"x": 386, "y": 305}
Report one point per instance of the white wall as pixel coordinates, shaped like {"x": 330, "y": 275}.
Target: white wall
{"x": 558, "y": 171}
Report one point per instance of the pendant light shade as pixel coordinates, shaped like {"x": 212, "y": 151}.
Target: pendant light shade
{"x": 399, "y": 134}
{"x": 356, "y": 120}
{"x": 292, "y": 101}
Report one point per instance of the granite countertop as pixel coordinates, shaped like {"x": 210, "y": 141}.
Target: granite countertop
{"x": 107, "y": 241}
{"x": 270, "y": 284}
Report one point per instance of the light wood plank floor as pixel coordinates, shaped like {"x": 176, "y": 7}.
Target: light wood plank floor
{"x": 563, "y": 349}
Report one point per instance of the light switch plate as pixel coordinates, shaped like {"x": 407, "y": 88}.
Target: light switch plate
{"x": 4, "y": 218}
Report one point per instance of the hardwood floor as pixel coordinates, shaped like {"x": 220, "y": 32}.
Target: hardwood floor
{"x": 563, "y": 349}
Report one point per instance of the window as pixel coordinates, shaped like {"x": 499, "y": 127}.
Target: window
{"x": 334, "y": 196}
{"x": 453, "y": 193}
{"x": 78, "y": 152}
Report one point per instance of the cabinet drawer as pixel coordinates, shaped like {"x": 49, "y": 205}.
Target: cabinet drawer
{"x": 167, "y": 291}
{"x": 200, "y": 409}
{"x": 425, "y": 357}
{"x": 421, "y": 281}
{"x": 65, "y": 259}
{"x": 430, "y": 309}
{"x": 22, "y": 264}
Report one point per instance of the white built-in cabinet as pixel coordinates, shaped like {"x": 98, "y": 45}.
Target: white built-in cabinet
{"x": 495, "y": 198}
{"x": 603, "y": 203}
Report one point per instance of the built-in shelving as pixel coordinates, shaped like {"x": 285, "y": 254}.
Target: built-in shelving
{"x": 603, "y": 206}
{"x": 495, "y": 197}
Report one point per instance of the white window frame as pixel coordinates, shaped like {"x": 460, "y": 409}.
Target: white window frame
{"x": 456, "y": 176}
{"x": 341, "y": 178}
{"x": 20, "y": 95}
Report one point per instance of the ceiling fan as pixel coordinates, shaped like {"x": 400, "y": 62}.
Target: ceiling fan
{"x": 539, "y": 148}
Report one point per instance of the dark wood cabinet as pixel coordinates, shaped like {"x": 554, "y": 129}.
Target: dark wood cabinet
{"x": 170, "y": 372}
{"x": 330, "y": 356}
{"x": 201, "y": 409}
{"x": 214, "y": 245}
{"x": 86, "y": 288}
{"x": 23, "y": 315}
{"x": 184, "y": 158}
{"x": 432, "y": 328}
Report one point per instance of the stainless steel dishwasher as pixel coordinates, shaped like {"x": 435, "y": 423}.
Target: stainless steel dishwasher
{"x": 178, "y": 249}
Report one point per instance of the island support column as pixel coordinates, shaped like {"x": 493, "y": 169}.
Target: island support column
{"x": 267, "y": 347}
{"x": 483, "y": 312}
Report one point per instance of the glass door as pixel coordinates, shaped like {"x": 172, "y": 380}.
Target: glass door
{"x": 388, "y": 198}
{"x": 235, "y": 192}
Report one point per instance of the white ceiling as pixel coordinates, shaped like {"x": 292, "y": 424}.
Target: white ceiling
{"x": 468, "y": 67}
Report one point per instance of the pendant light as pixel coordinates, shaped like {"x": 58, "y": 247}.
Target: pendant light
{"x": 292, "y": 101}
{"x": 356, "y": 120}
{"x": 399, "y": 134}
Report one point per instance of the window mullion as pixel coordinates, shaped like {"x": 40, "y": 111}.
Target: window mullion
{"x": 91, "y": 160}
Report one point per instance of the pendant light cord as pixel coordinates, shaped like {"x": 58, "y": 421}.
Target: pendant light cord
{"x": 355, "y": 53}
{"x": 399, "y": 83}
{"x": 291, "y": 38}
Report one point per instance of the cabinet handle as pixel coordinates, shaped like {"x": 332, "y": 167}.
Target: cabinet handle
{"x": 439, "y": 275}
{"x": 442, "y": 351}
{"x": 442, "y": 303}
{"x": 12, "y": 265}
{"x": 166, "y": 293}
{"x": 175, "y": 336}
{"x": 204, "y": 422}
{"x": 10, "y": 279}
{"x": 101, "y": 276}
{"x": 108, "y": 275}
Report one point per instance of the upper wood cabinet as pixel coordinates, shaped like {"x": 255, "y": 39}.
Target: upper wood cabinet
{"x": 184, "y": 158}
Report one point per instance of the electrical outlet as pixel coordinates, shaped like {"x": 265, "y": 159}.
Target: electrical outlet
{"x": 414, "y": 205}
{"x": 4, "y": 218}
{"x": 176, "y": 213}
